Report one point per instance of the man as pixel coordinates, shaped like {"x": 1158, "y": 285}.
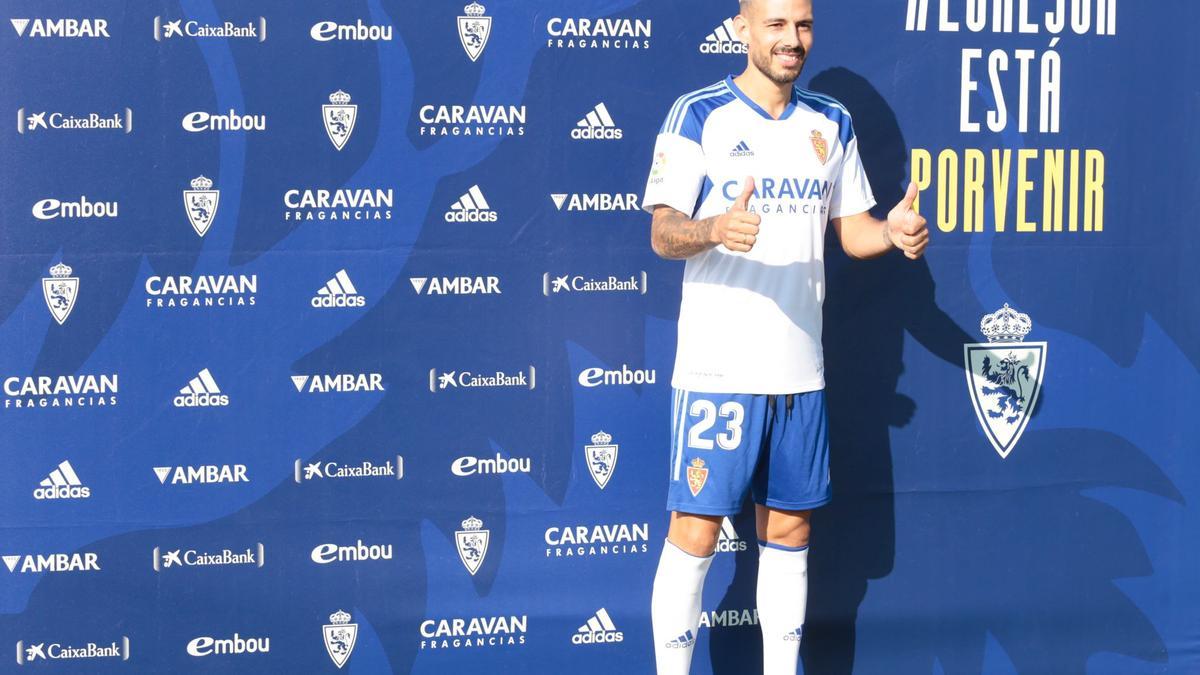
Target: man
{"x": 746, "y": 174}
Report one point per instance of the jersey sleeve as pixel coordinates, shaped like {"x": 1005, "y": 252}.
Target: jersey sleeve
{"x": 851, "y": 193}
{"x": 677, "y": 174}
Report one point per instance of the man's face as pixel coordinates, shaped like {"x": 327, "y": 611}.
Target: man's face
{"x": 779, "y": 35}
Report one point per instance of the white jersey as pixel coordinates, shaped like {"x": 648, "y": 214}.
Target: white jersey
{"x": 750, "y": 323}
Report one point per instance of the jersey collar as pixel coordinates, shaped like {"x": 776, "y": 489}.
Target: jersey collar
{"x": 787, "y": 111}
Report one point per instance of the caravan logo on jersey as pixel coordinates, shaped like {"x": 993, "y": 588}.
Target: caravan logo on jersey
{"x": 60, "y": 290}
{"x": 474, "y": 29}
{"x": 201, "y": 392}
{"x": 584, "y": 541}
{"x": 595, "y": 201}
{"x": 305, "y": 471}
{"x": 60, "y": 391}
{"x": 599, "y": 377}
{"x": 472, "y": 120}
{"x": 465, "y": 379}
{"x": 29, "y": 121}
{"x": 472, "y": 544}
{"x": 56, "y": 651}
{"x": 61, "y": 28}
{"x": 339, "y": 635}
{"x": 324, "y": 554}
{"x": 601, "y": 458}
{"x": 210, "y": 646}
{"x": 165, "y": 559}
{"x": 53, "y": 209}
{"x": 306, "y": 204}
{"x": 1004, "y": 377}
{"x": 204, "y": 474}
{"x": 723, "y": 40}
{"x": 200, "y": 204}
{"x": 338, "y": 292}
{"x": 251, "y": 29}
{"x": 339, "y": 116}
{"x": 326, "y": 31}
{"x": 471, "y": 207}
{"x": 553, "y": 284}
{"x": 201, "y": 121}
{"x": 52, "y": 562}
{"x": 597, "y": 125}
{"x": 208, "y": 290}
{"x": 598, "y": 630}
{"x": 482, "y": 631}
{"x": 341, "y": 383}
{"x": 605, "y": 33}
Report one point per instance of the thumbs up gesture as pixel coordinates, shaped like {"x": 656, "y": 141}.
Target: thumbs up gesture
{"x": 906, "y": 228}
{"x": 737, "y": 228}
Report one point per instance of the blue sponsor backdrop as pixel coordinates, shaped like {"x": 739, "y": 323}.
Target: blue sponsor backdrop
{"x": 1073, "y": 554}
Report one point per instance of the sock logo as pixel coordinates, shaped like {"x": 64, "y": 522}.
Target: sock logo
{"x": 795, "y": 635}
{"x": 686, "y": 640}
{"x": 472, "y": 207}
{"x": 597, "y": 125}
{"x": 338, "y": 292}
{"x": 599, "y": 629}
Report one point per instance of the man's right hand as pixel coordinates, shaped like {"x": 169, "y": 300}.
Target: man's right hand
{"x": 737, "y": 229}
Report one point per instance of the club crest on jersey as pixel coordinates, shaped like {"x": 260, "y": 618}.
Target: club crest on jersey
{"x": 472, "y": 543}
{"x": 200, "y": 203}
{"x": 601, "y": 458}
{"x": 820, "y": 146}
{"x": 474, "y": 29}
{"x": 60, "y": 290}
{"x": 1004, "y": 376}
{"x": 697, "y": 476}
{"x": 339, "y": 116}
{"x": 340, "y": 636}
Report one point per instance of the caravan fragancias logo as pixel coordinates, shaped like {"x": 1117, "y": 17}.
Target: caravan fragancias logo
{"x": 1004, "y": 376}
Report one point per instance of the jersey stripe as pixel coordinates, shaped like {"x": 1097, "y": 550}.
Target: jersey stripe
{"x": 682, "y": 102}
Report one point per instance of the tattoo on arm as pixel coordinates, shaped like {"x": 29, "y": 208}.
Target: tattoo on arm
{"x": 676, "y": 237}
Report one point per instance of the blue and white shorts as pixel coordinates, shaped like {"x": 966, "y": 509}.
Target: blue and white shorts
{"x": 724, "y": 444}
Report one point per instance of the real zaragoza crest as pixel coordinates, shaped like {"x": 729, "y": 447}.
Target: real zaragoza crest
{"x": 1004, "y": 376}
{"x": 472, "y": 543}
{"x": 820, "y": 146}
{"x": 60, "y": 290}
{"x": 339, "y": 115}
{"x": 340, "y": 636}
{"x": 474, "y": 29}
{"x": 601, "y": 458}
{"x": 201, "y": 204}
{"x": 697, "y": 476}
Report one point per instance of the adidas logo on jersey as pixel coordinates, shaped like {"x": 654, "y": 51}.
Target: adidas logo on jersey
{"x": 62, "y": 483}
{"x": 472, "y": 207}
{"x": 795, "y": 635}
{"x": 728, "y": 541}
{"x": 597, "y": 125}
{"x": 201, "y": 392}
{"x": 723, "y": 40}
{"x": 599, "y": 629}
{"x": 741, "y": 150}
{"x": 685, "y": 640}
{"x": 338, "y": 292}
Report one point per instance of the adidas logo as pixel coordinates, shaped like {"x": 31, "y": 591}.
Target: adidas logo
{"x": 471, "y": 208}
{"x": 728, "y": 541}
{"x": 338, "y": 292}
{"x": 723, "y": 40}
{"x": 455, "y": 285}
{"x": 201, "y": 392}
{"x": 62, "y": 483}
{"x": 741, "y": 150}
{"x": 599, "y": 629}
{"x": 596, "y": 125}
{"x": 685, "y": 640}
{"x": 795, "y": 635}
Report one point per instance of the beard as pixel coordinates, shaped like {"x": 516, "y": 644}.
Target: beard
{"x": 780, "y": 76}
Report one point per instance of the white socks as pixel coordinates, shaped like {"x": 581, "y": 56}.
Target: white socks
{"x": 675, "y": 608}
{"x": 782, "y": 599}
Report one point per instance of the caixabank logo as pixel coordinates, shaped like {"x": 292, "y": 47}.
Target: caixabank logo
{"x": 555, "y": 284}
{"x": 598, "y": 630}
{"x": 178, "y": 558}
{"x": 444, "y": 380}
{"x": 1004, "y": 377}
{"x": 339, "y": 383}
{"x": 597, "y": 202}
{"x": 29, "y": 652}
{"x": 200, "y": 121}
{"x": 723, "y": 40}
{"x": 38, "y": 121}
{"x": 474, "y": 632}
{"x": 599, "y": 33}
{"x": 235, "y": 645}
{"x": 342, "y": 204}
{"x": 330, "y": 31}
{"x": 586, "y": 541}
{"x": 52, "y": 563}
{"x": 472, "y": 120}
{"x": 203, "y": 474}
{"x": 194, "y": 292}
{"x": 51, "y": 208}
{"x": 61, "y": 391}
{"x": 305, "y": 471}
{"x": 254, "y": 29}
{"x": 60, "y": 28}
